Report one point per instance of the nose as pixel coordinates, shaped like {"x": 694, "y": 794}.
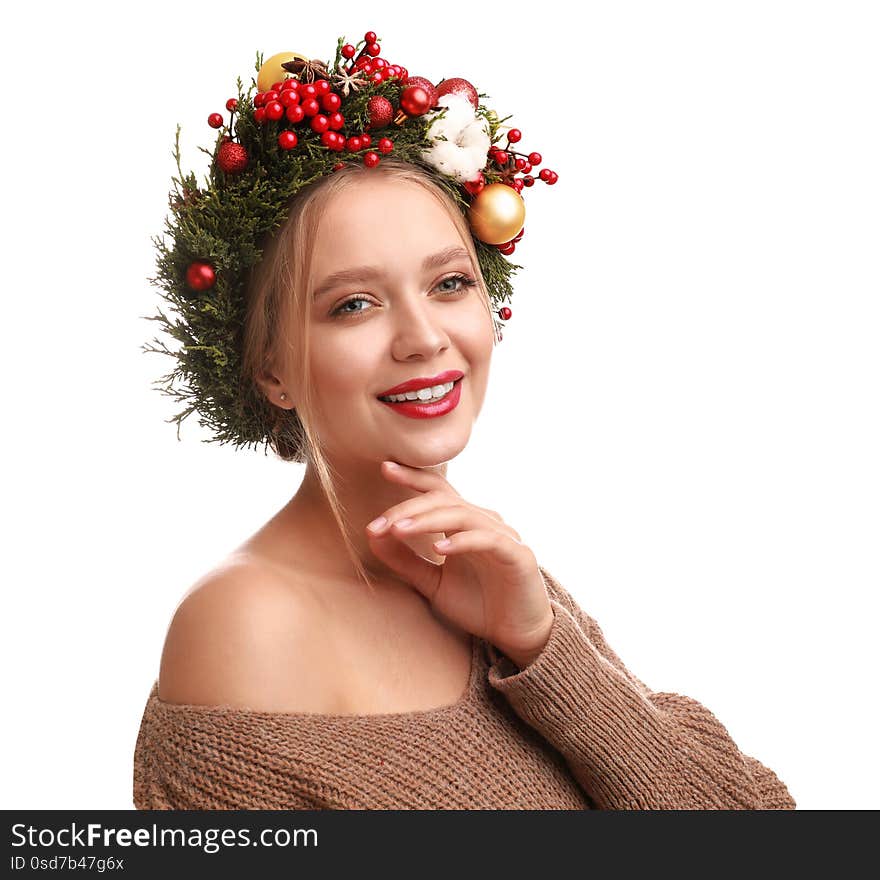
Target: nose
{"x": 418, "y": 328}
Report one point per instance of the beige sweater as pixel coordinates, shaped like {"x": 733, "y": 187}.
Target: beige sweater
{"x": 573, "y": 730}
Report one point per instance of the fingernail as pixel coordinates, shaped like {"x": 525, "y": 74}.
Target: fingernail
{"x": 377, "y": 524}
{"x": 403, "y": 523}
{"x": 392, "y": 464}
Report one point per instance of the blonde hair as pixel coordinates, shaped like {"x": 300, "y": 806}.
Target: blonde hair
{"x": 278, "y": 315}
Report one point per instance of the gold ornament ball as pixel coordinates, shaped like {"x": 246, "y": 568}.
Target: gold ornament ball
{"x": 497, "y": 213}
{"x": 272, "y": 72}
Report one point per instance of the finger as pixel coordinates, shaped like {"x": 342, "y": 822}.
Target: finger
{"x": 450, "y": 519}
{"x": 418, "y": 478}
{"x": 501, "y": 547}
{"x": 412, "y": 568}
{"x": 411, "y": 507}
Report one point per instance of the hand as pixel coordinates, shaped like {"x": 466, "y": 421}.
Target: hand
{"x": 488, "y": 584}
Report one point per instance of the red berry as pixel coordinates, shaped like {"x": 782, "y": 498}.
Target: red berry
{"x": 310, "y": 106}
{"x": 373, "y": 49}
{"x": 528, "y": 180}
{"x": 381, "y": 63}
{"x": 328, "y": 139}
{"x": 274, "y": 110}
{"x": 260, "y": 115}
{"x": 287, "y": 140}
{"x": 272, "y": 95}
{"x": 367, "y": 67}
{"x": 371, "y": 159}
{"x": 323, "y": 86}
{"x": 348, "y": 51}
{"x": 259, "y": 99}
{"x": 337, "y": 120}
{"x": 370, "y": 37}
{"x": 320, "y": 123}
{"x": 276, "y": 87}
{"x": 353, "y": 144}
{"x": 519, "y": 163}
{"x": 505, "y": 313}
{"x": 231, "y": 104}
{"x": 514, "y": 135}
{"x": 545, "y": 174}
{"x": 535, "y": 158}
{"x": 331, "y": 101}
{"x": 338, "y": 165}
{"x": 295, "y": 113}
{"x": 553, "y": 179}
{"x": 309, "y": 90}
{"x": 290, "y": 85}
{"x": 215, "y": 120}
{"x": 526, "y": 168}
{"x": 377, "y": 77}
{"x": 519, "y": 235}
{"x": 501, "y": 158}
{"x": 200, "y": 276}
{"x": 507, "y": 249}
{"x": 366, "y": 140}
{"x": 518, "y": 185}
{"x": 386, "y": 145}
{"x": 288, "y": 97}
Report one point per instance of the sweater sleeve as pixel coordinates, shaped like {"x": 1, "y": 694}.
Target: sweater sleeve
{"x": 628, "y": 747}
{"x": 212, "y": 760}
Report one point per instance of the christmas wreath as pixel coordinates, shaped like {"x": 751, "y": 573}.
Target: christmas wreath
{"x": 306, "y": 119}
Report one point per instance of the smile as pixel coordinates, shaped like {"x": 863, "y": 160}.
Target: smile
{"x": 426, "y": 403}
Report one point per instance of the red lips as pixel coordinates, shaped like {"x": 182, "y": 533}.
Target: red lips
{"x": 423, "y": 382}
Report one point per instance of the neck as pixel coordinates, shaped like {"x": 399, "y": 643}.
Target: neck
{"x": 363, "y": 494}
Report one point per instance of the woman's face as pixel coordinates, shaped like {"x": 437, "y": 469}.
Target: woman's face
{"x": 399, "y": 316}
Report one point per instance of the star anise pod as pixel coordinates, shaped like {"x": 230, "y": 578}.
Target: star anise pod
{"x": 307, "y": 71}
{"x": 346, "y": 80}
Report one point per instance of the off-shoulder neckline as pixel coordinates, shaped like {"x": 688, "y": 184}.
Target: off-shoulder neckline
{"x": 466, "y": 698}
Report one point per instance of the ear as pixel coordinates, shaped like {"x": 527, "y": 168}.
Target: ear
{"x": 272, "y": 387}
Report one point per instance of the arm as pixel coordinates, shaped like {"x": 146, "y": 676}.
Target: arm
{"x": 627, "y": 746}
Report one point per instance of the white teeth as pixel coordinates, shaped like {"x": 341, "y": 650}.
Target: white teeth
{"x": 433, "y": 393}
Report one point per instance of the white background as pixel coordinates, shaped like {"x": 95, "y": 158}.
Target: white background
{"x": 682, "y": 419}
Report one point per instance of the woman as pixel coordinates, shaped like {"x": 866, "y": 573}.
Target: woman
{"x": 382, "y": 642}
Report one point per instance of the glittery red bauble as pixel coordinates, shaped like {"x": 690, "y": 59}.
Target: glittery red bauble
{"x": 427, "y": 85}
{"x": 459, "y": 86}
{"x": 380, "y": 111}
{"x": 232, "y": 157}
{"x": 414, "y": 101}
{"x": 200, "y": 276}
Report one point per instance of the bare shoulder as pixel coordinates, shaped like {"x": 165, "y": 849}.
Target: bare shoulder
{"x": 245, "y": 635}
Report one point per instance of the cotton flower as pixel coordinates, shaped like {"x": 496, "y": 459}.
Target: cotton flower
{"x": 463, "y": 153}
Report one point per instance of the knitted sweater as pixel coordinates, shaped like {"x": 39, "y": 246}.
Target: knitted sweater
{"x": 573, "y": 730}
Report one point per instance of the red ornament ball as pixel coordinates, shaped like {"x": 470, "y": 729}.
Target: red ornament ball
{"x": 232, "y": 157}
{"x": 215, "y": 120}
{"x": 200, "y": 276}
{"x": 415, "y": 101}
{"x": 380, "y": 111}
{"x": 427, "y": 85}
{"x": 371, "y": 159}
{"x": 474, "y": 187}
{"x": 459, "y": 86}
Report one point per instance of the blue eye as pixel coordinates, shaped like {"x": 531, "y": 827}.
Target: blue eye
{"x": 464, "y": 281}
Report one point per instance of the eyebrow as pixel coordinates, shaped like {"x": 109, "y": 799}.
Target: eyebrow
{"x": 361, "y": 273}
